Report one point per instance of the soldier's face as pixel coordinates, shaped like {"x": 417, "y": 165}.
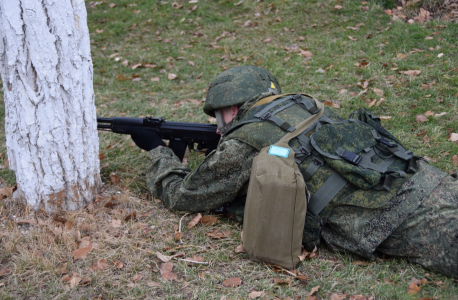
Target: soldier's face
{"x": 228, "y": 114}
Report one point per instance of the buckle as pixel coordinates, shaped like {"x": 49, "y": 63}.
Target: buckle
{"x": 303, "y": 150}
{"x": 351, "y": 157}
{"x": 386, "y": 142}
{"x": 297, "y": 96}
{"x": 318, "y": 161}
{"x": 266, "y": 116}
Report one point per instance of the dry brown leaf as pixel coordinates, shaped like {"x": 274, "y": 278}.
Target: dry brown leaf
{"x": 172, "y": 76}
{"x": 352, "y": 38}
{"x": 85, "y": 281}
{"x": 305, "y": 53}
{"x": 372, "y": 103}
{"x": 453, "y": 137}
{"x": 66, "y": 278}
{"x": 197, "y": 258}
{"x": 314, "y": 290}
{"x": 30, "y": 222}
{"x": 429, "y": 113}
{"x": 155, "y": 79}
{"x": 401, "y": 55}
{"x": 4, "y": 271}
{"x": 337, "y": 297}
{"x": 421, "y": 118}
{"x": 240, "y": 249}
{"x": 153, "y": 284}
{"x": 137, "y": 277}
{"x": 116, "y": 223}
{"x": 118, "y": 264}
{"x": 208, "y": 220}
{"x": 232, "y": 282}
{"x": 440, "y": 114}
{"x": 63, "y": 269}
{"x": 5, "y": 192}
{"x": 114, "y": 178}
{"x": 166, "y": 271}
{"x": 255, "y": 294}
{"x": 130, "y": 216}
{"x": 195, "y": 101}
{"x": 378, "y": 91}
{"x": 163, "y": 258}
{"x": 282, "y": 281}
{"x": 151, "y": 66}
{"x": 75, "y": 280}
{"x": 140, "y": 225}
{"x": 306, "y": 254}
{"x": 191, "y": 63}
{"x": 386, "y": 118}
{"x": 360, "y": 263}
{"x": 380, "y": 101}
{"x": 411, "y": 72}
{"x": 194, "y": 221}
{"x": 331, "y": 104}
{"x": 267, "y": 40}
{"x": 413, "y": 288}
{"x": 178, "y": 236}
{"x": 100, "y": 265}
{"x": 81, "y": 252}
{"x": 358, "y": 297}
{"x": 338, "y": 7}
{"x": 455, "y": 160}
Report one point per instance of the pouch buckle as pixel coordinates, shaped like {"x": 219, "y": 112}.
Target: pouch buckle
{"x": 318, "y": 161}
{"x": 266, "y": 116}
{"x": 303, "y": 150}
{"x": 386, "y": 142}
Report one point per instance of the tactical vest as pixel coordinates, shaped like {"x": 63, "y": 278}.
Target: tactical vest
{"x": 344, "y": 162}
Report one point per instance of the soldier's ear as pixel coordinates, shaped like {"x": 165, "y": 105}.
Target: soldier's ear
{"x": 234, "y": 111}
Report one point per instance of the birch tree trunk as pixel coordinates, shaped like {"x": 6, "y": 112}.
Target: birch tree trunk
{"x": 50, "y": 117}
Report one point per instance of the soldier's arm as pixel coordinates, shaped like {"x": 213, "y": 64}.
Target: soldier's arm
{"x": 214, "y": 183}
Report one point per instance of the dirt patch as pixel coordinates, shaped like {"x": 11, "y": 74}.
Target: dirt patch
{"x": 420, "y": 11}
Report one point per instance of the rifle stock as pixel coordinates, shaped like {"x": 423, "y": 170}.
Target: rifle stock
{"x": 179, "y": 134}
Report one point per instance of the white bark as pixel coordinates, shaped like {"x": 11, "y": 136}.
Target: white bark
{"x": 50, "y": 117}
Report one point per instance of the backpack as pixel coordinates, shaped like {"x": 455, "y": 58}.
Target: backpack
{"x": 356, "y": 157}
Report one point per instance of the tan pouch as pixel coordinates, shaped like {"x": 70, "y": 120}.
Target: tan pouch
{"x": 276, "y": 203}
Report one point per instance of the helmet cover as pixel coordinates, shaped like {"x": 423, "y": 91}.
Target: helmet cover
{"x": 237, "y": 85}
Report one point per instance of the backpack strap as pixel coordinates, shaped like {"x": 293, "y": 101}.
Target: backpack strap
{"x": 265, "y": 115}
{"x": 325, "y": 193}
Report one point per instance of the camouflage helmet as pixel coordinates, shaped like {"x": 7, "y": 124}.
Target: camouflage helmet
{"x": 237, "y": 85}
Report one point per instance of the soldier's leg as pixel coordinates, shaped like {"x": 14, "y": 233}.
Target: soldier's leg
{"x": 430, "y": 235}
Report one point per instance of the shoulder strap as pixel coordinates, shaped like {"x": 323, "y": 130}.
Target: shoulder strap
{"x": 283, "y": 142}
{"x": 268, "y": 99}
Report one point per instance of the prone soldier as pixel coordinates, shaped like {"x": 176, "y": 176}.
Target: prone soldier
{"x": 370, "y": 195}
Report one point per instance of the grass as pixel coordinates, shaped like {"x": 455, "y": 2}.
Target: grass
{"x": 196, "y": 44}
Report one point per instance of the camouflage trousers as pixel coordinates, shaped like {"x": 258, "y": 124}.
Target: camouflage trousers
{"x": 429, "y": 236}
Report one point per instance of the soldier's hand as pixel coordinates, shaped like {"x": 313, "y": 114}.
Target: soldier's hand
{"x": 147, "y": 140}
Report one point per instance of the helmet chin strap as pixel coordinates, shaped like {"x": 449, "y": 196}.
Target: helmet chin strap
{"x": 221, "y": 123}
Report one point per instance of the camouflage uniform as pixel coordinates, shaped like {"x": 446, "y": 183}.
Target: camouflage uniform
{"x": 417, "y": 217}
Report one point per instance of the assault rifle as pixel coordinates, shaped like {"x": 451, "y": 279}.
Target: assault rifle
{"x": 179, "y": 134}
